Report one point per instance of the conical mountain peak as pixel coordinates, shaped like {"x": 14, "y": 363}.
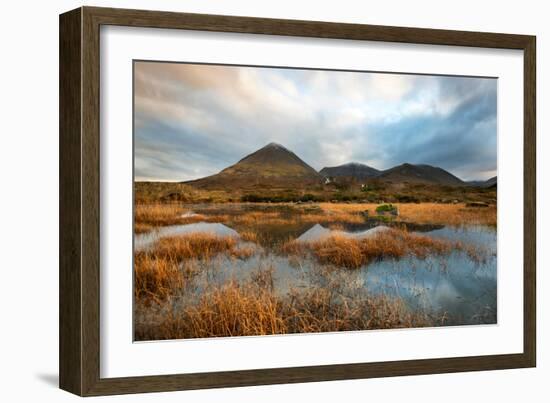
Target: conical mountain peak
{"x": 275, "y": 145}
{"x": 271, "y": 165}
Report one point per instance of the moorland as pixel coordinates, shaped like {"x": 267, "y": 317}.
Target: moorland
{"x": 269, "y": 245}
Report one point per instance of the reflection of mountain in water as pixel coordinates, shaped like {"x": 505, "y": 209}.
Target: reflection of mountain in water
{"x": 142, "y": 241}
{"x": 318, "y": 232}
{"x": 271, "y": 234}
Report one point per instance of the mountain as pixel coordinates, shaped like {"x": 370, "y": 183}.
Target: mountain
{"x": 272, "y": 166}
{"x": 484, "y": 184}
{"x": 350, "y": 170}
{"x": 426, "y": 174}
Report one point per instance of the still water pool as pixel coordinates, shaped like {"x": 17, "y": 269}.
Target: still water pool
{"x": 455, "y": 288}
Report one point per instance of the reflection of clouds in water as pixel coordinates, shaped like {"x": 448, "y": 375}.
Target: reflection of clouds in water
{"x": 461, "y": 289}
{"x": 475, "y": 234}
{"x": 445, "y": 293}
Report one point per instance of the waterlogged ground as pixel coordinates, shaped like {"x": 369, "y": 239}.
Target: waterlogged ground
{"x": 458, "y": 287}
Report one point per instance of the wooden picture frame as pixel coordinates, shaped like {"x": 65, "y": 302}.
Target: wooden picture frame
{"x": 79, "y": 346}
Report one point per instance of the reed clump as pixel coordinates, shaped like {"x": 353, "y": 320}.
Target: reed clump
{"x": 157, "y": 214}
{"x": 249, "y": 236}
{"x": 252, "y": 309}
{"x": 324, "y": 310}
{"x": 227, "y": 310}
{"x": 198, "y": 245}
{"x": 162, "y": 270}
{"x": 156, "y": 278}
{"x": 342, "y": 251}
{"x": 339, "y": 251}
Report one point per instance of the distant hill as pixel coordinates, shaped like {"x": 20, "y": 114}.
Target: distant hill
{"x": 426, "y": 174}
{"x": 353, "y": 170}
{"x": 492, "y": 182}
{"x": 273, "y": 165}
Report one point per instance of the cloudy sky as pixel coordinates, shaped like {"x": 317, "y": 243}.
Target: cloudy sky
{"x": 194, "y": 120}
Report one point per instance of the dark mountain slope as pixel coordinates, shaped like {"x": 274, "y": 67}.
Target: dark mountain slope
{"x": 353, "y": 170}
{"x": 272, "y": 165}
{"x": 426, "y": 174}
{"x": 484, "y": 184}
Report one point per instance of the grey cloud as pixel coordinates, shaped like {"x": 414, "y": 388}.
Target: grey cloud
{"x": 463, "y": 142}
{"x": 194, "y": 120}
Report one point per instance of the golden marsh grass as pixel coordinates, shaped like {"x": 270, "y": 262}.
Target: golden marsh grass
{"x": 252, "y": 309}
{"x": 253, "y": 306}
{"x": 424, "y": 213}
{"x": 149, "y": 216}
{"x": 161, "y": 271}
{"x": 342, "y": 251}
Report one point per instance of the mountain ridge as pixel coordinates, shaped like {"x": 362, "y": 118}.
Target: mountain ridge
{"x": 420, "y": 173}
{"x": 277, "y": 166}
{"x": 354, "y": 170}
{"x": 484, "y": 183}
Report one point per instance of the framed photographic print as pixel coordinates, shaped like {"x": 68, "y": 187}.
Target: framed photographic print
{"x": 249, "y": 201}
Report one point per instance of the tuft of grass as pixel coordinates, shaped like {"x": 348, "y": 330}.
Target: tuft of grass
{"x": 227, "y": 310}
{"x": 322, "y": 310}
{"x": 342, "y": 251}
{"x": 157, "y": 214}
{"x": 338, "y": 250}
{"x": 197, "y": 245}
{"x": 249, "y": 236}
{"x": 156, "y": 278}
{"x": 252, "y": 308}
{"x": 161, "y": 271}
